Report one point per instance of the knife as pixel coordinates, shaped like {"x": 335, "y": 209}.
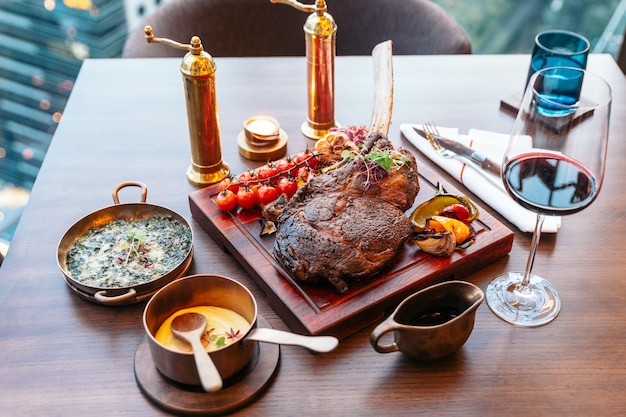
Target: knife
{"x": 465, "y": 151}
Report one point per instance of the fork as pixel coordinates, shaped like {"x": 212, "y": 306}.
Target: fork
{"x": 432, "y": 133}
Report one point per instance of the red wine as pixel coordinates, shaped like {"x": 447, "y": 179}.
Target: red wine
{"x": 549, "y": 183}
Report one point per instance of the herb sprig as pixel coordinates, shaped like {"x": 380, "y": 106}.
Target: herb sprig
{"x": 221, "y": 340}
{"x": 136, "y": 239}
{"x": 377, "y": 163}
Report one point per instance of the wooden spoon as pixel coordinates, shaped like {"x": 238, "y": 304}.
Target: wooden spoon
{"x": 190, "y": 327}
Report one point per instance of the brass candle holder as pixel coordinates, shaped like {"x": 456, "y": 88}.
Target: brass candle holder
{"x": 262, "y": 139}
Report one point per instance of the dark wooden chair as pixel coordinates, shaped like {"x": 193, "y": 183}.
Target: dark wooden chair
{"x": 230, "y": 28}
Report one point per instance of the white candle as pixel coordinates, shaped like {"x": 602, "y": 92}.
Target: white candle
{"x": 262, "y": 127}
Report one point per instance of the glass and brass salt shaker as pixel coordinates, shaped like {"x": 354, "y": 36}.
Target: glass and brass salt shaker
{"x": 198, "y": 70}
{"x": 320, "y": 33}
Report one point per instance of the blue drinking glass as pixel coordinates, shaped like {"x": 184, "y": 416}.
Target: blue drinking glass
{"x": 557, "y": 90}
{"x": 558, "y": 48}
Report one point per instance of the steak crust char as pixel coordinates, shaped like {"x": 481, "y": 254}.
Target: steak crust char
{"x": 340, "y": 226}
{"x": 336, "y": 236}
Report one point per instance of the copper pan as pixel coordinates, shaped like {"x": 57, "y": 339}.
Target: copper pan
{"x": 120, "y": 211}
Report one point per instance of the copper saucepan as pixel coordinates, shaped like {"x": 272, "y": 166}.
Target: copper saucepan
{"x": 199, "y": 290}
{"x": 121, "y": 211}
{"x": 217, "y": 291}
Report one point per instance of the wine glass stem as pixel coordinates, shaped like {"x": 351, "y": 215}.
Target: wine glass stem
{"x": 533, "y": 248}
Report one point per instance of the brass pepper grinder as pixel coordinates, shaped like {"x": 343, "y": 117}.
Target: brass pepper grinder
{"x": 198, "y": 70}
{"x": 320, "y": 33}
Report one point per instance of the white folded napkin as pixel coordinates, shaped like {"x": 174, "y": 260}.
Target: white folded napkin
{"x": 486, "y": 186}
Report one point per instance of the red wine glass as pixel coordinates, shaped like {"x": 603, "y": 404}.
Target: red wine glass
{"x": 553, "y": 165}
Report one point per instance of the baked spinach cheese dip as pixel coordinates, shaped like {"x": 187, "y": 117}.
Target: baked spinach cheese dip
{"x": 125, "y": 252}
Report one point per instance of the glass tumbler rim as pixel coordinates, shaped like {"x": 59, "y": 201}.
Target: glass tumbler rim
{"x": 580, "y": 37}
{"x": 609, "y": 91}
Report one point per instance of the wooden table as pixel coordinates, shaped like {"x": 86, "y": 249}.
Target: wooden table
{"x": 125, "y": 120}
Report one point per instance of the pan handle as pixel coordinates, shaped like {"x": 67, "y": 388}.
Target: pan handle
{"x": 101, "y": 297}
{"x": 144, "y": 190}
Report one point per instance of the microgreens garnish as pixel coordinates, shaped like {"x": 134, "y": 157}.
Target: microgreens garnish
{"x": 377, "y": 163}
{"x": 220, "y": 339}
{"x": 135, "y": 240}
{"x": 233, "y": 334}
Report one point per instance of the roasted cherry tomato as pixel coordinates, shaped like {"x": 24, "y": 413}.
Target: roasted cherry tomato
{"x": 246, "y": 198}
{"x": 229, "y": 183}
{"x": 266, "y": 194}
{"x": 306, "y": 158}
{"x": 226, "y": 200}
{"x": 303, "y": 173}
{"x": 300, "y": 157}
{"x": 285, "y": 166}
{"x": 267, "y": 171}
{"x": 312, "y": 161}
{"x": 287, "y": 186}
{"x": 247, "y": 177}
{"x": 225, "y": 183}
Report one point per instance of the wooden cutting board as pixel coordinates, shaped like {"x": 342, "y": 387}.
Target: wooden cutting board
{"x": 320, "y": 309}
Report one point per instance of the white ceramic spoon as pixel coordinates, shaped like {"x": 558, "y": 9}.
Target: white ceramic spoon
{"x": 320, "y": 344}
